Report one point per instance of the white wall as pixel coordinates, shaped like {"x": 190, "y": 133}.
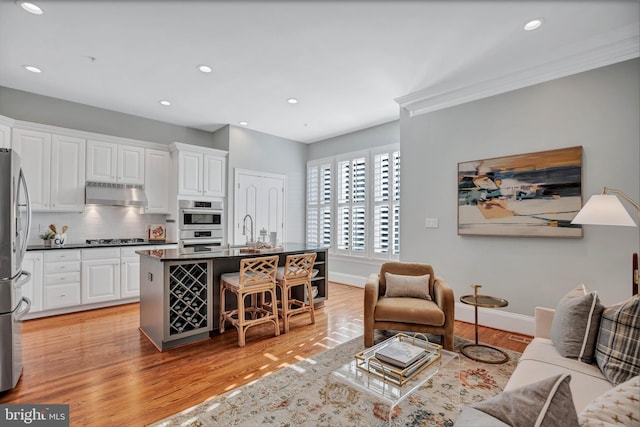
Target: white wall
{"x": 599, "y": 110}
{"x": 262, "y": 152}
{"x": 375, "y": 136}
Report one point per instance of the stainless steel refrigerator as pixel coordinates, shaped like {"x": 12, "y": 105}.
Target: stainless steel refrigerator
{"x": 15, "y": 219}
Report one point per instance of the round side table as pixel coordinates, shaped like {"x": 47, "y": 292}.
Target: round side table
{"x": 488, "y": 302}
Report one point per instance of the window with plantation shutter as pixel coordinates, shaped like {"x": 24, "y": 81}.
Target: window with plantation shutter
{"x": 386, "y": 216}
{"x": 363, "y": 217}
{"x": 319, "y": 204}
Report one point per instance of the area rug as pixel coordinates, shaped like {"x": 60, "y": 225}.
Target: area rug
{"x": 304, "y": 395}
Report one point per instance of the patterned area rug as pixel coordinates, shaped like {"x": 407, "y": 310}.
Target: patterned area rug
{"x": 303, "y": 394}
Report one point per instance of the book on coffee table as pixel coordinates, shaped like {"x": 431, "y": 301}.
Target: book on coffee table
{"x": 400, "y": 353}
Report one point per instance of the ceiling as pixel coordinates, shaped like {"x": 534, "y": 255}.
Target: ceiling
{"x": 350, "y": 63}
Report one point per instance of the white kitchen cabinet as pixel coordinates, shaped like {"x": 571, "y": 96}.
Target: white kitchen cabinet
{"x": 157, "y": 181}
{"x": 213, "y": 181}
{"x": 102, "y": 161}
{"x": 130, "y": 165}
{"x": 67, "y": 174}
{"x": 190, "y": 173}
{"x": 116, "y": 163}
{"x": 200, "y": 171}
{"x": 32, "y": 263}
{"x": 5, "y": 136}
{"x": 130, "y": 271}
{"x": 100, "y": 275}
{"x": 61, "y": 283}
{"x": 54, "y": 167}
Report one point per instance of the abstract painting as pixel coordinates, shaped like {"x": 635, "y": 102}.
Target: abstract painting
{"x": 530, "y": 195}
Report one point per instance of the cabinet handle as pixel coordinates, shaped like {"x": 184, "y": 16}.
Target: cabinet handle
{"x": 63, "y": 295}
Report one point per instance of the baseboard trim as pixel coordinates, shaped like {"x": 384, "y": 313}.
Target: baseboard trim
{"x": 347, "y": 279}
{"x": 497, "y": 319}
{"x": 492, "y": 318}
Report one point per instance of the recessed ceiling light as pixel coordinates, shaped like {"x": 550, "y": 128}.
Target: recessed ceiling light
{"x": 243, "y": 123}
{"x": 534, "y": 24}
{"x": 32, "y": 68}
{"x": 292, "y": 101}
{"x": 30, "y": 7}
{"x": 205, "y": 68}
{"x": 165, "y": 103}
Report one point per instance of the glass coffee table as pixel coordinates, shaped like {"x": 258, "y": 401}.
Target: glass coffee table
{"x": 386, "y": 390}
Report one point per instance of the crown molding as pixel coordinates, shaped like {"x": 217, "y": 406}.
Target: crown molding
{"x": 620, "y": 46}
{"x": 7, "y": 121}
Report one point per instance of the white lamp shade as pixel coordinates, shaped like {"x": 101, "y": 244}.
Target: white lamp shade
{"x": 604, "y": 209}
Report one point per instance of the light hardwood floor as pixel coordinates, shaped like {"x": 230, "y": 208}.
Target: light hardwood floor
{"x": 100, "y": 364}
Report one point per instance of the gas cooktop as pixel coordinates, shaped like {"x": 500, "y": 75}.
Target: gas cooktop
{"x": 107, "y": 242}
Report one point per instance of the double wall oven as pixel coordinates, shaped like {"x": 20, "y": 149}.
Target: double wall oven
{"x": 201, "y": 223}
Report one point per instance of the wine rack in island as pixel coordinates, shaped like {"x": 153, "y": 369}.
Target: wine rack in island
{"x": 188, "y": 304}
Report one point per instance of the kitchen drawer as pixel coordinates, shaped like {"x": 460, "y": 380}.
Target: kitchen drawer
{"x": 130, "y": 251}
{"x": 55, "y": 255}
{"x": 61, "y": 267}
{"x": 51, "y": 279}
{"x": 61, "y": 295}
{"x": 102, "y": 253}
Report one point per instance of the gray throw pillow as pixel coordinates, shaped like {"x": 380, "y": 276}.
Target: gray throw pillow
{"x": 407, "y": 286}
{"x": 546, "y": 403}
{"x": 618, "y": 347}
{"x": 575, "y": 325}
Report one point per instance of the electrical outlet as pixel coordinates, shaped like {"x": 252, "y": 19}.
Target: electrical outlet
{"x": 431, "y": 222}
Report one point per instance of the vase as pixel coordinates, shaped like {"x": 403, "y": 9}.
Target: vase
{"x": 47, "y": 243}
{"x": 58, "y": 240}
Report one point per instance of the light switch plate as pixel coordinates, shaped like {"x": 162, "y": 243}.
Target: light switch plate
{"x": 431, "y": 222}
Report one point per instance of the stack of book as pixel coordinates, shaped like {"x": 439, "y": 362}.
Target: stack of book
{"x": 399, "y": 358}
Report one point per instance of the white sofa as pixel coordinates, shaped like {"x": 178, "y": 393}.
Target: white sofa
{"x": 540, "y": 360}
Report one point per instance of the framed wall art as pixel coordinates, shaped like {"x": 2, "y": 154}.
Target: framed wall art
{"x": 529, "y": 195}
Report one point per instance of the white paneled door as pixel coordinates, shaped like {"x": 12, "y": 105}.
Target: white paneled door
{"x": 261, "y": 195}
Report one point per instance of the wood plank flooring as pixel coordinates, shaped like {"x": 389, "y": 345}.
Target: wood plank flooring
{"x": 100, "y": 364}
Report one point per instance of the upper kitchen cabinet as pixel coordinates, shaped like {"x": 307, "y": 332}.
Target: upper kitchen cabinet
{"x": 157, "y": 181}
{"x": 5, "y": 136}
{"x": 54, "y": 167}
{"x": 200, "y": 171}
{"x": 117, "y": 163}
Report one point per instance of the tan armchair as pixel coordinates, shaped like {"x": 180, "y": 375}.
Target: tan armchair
{"x": 408, "y": 314}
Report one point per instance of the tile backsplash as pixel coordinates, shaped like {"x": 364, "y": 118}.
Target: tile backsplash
{"x": 96, "y": 222}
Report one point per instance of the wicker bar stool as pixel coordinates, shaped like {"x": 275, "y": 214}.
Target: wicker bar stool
{"x": 296, "y": 272}
{"x": 256, "y": 276}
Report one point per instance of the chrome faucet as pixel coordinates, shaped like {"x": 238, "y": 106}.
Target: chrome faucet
{"x": 244, "y": 226}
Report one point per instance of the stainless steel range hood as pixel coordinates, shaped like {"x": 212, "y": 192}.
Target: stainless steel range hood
{"x": 102, "y": 193}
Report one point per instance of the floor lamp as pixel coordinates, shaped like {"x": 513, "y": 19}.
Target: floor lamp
{"x": 606, "y": 209}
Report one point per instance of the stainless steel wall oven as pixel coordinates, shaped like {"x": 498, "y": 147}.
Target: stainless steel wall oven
{"x": 201, "y": 223}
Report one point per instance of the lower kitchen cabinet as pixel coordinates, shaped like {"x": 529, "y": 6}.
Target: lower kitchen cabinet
{"x": 68, "y": 280}
{"x": 100, "y": 275}
{"x": 32, "y": 263}
{"x": 130, "y": 272}
{"x": 61, "y": 284}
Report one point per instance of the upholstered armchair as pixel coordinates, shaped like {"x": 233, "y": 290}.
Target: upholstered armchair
{"x": 411, "y": 304}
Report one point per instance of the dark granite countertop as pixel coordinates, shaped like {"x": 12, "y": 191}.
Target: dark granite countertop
{"x": 88, "y": 246}
{"x": 186, "y": 254}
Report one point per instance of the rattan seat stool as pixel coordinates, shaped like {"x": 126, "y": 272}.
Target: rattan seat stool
{"x": 296, "y": 272}
{"x": 256, "y": 277}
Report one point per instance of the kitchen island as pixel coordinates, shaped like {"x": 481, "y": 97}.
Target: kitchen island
{"x": 180, "y": 289}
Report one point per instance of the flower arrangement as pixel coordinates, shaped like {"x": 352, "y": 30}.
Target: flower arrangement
{"x": 47, "y": 235}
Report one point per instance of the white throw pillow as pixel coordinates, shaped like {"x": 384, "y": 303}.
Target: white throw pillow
{"x": 407, "y": 286}
{"x": 619, "y": 406}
